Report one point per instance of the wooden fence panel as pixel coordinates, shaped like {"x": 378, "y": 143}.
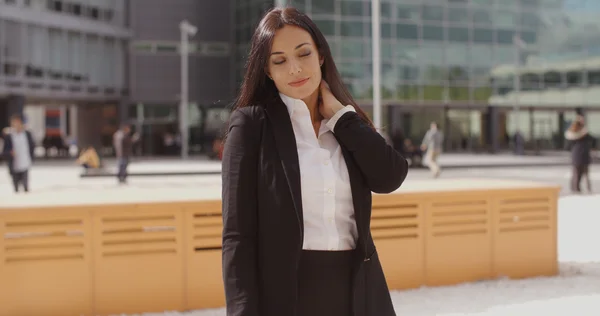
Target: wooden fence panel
{"x": 45, "y": 262}
{"x": 525, "y": 231}
{"x": 138, "y": 259}
{"x": 459, "y": 239}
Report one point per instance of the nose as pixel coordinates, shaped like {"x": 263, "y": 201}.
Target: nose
{"x": 295, "y": 68}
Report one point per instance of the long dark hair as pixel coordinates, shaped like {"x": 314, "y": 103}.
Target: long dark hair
{"x": 257, "y": 89}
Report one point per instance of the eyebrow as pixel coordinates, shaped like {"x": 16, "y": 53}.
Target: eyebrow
{"x": 276, "y": 53}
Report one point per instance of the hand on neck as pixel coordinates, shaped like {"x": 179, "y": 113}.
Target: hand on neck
{"x": 312, "y": 102}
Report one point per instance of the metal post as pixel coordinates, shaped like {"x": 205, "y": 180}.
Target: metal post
{"x": 186, "y": 30}
{"x": 517, "y": 45}
{"x": 517, "y": 84}
{"x": 376, "y": 40}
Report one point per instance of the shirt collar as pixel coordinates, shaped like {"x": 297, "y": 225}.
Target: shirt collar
{"x": 298, "y": 106}
{"x": 292, "y": 104}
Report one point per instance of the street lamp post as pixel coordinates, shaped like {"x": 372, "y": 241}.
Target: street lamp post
{"x": 187, "y": 30}
{"x": 518, "y": 45}
{"x": 376, "y": 42}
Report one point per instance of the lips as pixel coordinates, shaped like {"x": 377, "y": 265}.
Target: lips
{"x": 299, "y": 83}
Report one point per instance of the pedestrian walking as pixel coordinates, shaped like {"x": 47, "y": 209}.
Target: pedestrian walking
{"x": 123, "y": 142}
{"x": 433, "y": 142}
{"x": 300, "y": 161}
{"x": 580, "y": 142}
{"x": 18, "y": 151}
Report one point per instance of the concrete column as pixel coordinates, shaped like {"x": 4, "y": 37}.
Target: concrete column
{"x": 89, "y": 126}
{"x": 493, "y": 128}
{"x": 561, "y": 129}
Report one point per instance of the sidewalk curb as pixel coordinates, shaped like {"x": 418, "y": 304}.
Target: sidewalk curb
{"x": 218, "y": 172}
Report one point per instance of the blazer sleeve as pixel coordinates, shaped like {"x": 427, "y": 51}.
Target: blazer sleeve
{"x": 383, "y": 168}
{"x": 239, "y": 175}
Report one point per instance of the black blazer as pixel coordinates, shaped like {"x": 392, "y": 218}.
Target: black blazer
{"x": 8, "y": 147}
{"x": 262, "y": 210}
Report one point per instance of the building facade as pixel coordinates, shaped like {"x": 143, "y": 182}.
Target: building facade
{"x": 65, "y": 56}
{"x": 437, "y": 56}
{"x": 155, "y": 71}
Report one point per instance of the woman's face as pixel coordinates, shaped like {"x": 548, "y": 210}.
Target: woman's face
{"x": 294, "y": 63}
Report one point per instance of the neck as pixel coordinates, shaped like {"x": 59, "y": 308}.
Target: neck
{"x": 312, "y": 101}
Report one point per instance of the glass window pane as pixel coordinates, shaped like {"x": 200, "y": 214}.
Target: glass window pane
{"x": 529, "y": 37}
{"x": 408, "y": 31}
{"x": 352, "y": 28}
{"x": 530, "y": 3}
{"x": 457, "y": 54}
{"x": 458, "y": 15}
{"x": 505, "y": 19}
{"x": 387, "y": 50}
{"x": 483, "y": 2}
{"x": 408, "y": 72}
{"x": 351, "y": 8}
{"x": 323, "y": 7}
{"x": 433, "y": 33}
{"x": 482, "y": 17}
{"x": 458, "y": 34}
{"x": 351, "y": 70}
{"x": 327, "y": 27}
{"x": 481, "y": 55}
{"x": 431, "y": 54}
{"x": 504, "y": 36}
{"x": 483, "y": 36}
{"x": 530, "y": 20}
{"x": 432, "y": 13}
{"x": 298, "y": 4}
{"x": 386, "y": 10}
{"x": 408, "y": 11}
{"x": 352, "y": 49}
{"x": 407, "y": 51}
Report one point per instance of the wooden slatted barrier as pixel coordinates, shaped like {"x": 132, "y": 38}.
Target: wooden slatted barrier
{"x": 45, "y": 266}
{"x": 138, "y": 263}
{"x": 397, "y": 230}
{"x": 130, "y": 258}
{"x": 204, "y": 278}
{"x": 458, "y": 243}
{"x": 525, "y": 242}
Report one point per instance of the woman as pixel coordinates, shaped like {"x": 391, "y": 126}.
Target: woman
{"x": 298, "y": 171}
{"x": 580, "y": 142}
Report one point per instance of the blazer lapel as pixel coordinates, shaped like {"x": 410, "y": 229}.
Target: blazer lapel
{"x": 285, "y": 142}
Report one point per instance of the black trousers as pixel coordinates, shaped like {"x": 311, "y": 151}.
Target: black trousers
{"x": 580, "y": 171}
{"x": 20, "y": 178}
{"x": 325, "y": 283}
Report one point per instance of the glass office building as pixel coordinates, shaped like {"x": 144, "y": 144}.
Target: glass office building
{"x": 438, "y": 56}
{"x": 65, "y": 56}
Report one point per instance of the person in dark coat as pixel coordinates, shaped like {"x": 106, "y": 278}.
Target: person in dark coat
{"x": 300, "y": 161}
{"x": 18, "y": 152}
{"x": 580, "y": 142}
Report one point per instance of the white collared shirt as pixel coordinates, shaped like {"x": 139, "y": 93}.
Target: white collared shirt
{"x": 21, "y": 150}
{"x": 328, "y": 212}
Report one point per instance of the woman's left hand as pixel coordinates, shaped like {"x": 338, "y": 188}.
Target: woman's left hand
{"x": 328, "y": 104}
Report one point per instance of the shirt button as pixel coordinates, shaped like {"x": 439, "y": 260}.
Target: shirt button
{"x": 329, "y": 190}
{"x": 326, "y": 162}
{"x": 330, "y": 220}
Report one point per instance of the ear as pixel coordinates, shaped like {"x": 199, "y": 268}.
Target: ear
{"x": 321, "y": 60}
